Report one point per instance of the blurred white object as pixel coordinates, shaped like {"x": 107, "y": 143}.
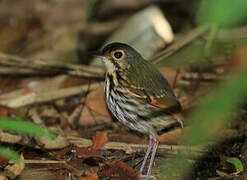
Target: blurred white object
{"x": 146, "y": 31}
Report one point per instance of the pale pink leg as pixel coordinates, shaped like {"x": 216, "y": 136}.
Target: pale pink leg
{"x": 152, "y": 147}
{"x": 151, "y": 162}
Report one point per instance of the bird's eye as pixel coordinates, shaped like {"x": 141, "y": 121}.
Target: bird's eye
{"x": 118, "y": 55}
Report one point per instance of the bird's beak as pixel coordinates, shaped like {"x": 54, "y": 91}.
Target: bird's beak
{"x": 96, "y": 53}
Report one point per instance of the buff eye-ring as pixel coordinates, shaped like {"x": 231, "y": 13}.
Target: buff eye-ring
{"x": 118, "y": 54}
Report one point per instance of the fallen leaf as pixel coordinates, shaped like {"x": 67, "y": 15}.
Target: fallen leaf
{"x": 3, "y": 162}
{"x": 2, "y": 177}
{"x": 61, "y": 176}
{"x": 99, "y": 140}
{"x": 92, "y": 176}
{"x": 27, "y": 91}
{"x": 86, "y": 153}
{"x": 6, "y": 111}
{"x": 225, "y": 165}
{"x": 96, "y": 100}
{"x": 78, "y": 152}
{"x": 172, "y": 137}
{"x": 238, "y": 165}
{"x": 118, "y": 170}
{"x": 231, "y": 164}
{"x": 9, "y": 138}
{"x": 89, "y": 117}
{"x": 14, "y": 170}
{"x": 61, "y": 141}
{"x": 49, "y": 112}
{"x": 95, "y": 110}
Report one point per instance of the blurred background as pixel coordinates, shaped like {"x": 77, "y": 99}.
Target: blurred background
{"x": 64, "y": 30}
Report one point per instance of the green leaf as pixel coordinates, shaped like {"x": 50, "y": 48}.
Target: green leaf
{"x": 10, "y": 154}
{"x": 24, "y": 127}
{"x": 237, "y": 164}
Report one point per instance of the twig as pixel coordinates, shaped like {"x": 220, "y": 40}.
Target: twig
{"x": 129, "y": 148}
{"x": 33, "y": 161}
{"x": 43, "y": 67}
{"x": 207, "y": 77}
{"x": 21, "y": 99}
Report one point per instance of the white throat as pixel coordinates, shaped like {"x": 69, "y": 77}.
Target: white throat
{"x": 108, "y": 64}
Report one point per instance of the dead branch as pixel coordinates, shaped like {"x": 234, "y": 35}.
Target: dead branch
{"x": 130, "y": 148}
{"x": 37, "y": 67}
{"x": 18, "y": 99}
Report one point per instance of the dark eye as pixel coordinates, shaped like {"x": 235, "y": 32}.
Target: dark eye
{"x": 118, "y": 55}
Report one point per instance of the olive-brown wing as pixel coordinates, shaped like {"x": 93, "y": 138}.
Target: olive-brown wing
{"x": 148, "y": 84}
{"x": 169, "y": 104}
{"x": 162, "y": 101}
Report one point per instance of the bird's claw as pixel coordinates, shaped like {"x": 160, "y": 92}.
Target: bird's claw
{"x": 146, "y": 177}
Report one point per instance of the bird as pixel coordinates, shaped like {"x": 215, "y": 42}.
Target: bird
{"x": 139, "y": 96}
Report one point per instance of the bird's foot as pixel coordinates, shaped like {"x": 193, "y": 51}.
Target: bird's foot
{"x": 146, "y": 177}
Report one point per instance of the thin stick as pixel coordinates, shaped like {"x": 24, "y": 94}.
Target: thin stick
{"x": 194, "y": 151}
{"x": 43, "y": 67}
{"x": 21, "y": 99}
{"x": 31, "y": 161}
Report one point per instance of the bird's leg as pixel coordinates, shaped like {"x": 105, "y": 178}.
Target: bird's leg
{"x": 153, "y": 152}
{"x": 152, "y": 147}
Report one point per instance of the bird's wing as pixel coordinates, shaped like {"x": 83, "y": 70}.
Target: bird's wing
{"x": 171, "y": 104}
{"x": 162, "y": 101}
{"x": 153, "y": 88}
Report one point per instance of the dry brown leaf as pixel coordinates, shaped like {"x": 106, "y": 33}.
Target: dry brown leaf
{"x": 92, "y": 176}
{"x": 9, "y": 138}
{"x": 96, "y": 100}
{"x": 99, "y": 140}
{"x": 79, "y": 152}
{"x": 2, "y": 177}
{"x": 172, "y": 137}
{"x": 49, "y": 112}
{"x": 6, "y": 111}
{"x": 61, "y": 176}
{"x": 87, "y": 153}
{"x": 3, "y": 162}
{"x": 95, "y": 110}
{"x": 15, "y": 169}
{"x": 118, "y": 170}
{"x": 89, "y": 118}
{"x": 61, "y": 140}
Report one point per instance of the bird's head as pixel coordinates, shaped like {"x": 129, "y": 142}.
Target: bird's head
{"x": 118, "y": 56}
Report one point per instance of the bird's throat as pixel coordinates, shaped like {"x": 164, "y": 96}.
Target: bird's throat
{"x": 109, "y": 65}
